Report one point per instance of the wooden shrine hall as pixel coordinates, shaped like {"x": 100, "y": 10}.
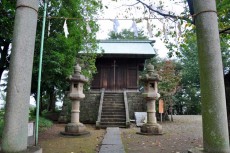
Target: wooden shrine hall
{"x": 119, "y": 66}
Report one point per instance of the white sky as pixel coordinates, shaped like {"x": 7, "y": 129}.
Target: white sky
{"x": 117, "y": 10}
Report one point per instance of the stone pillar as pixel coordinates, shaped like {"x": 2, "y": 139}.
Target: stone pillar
{"x": 150, "y": 80}
{"x": 75, "y": 112}
{"x": 75, "y": 128}
{"x": 214, "y": 115}
{"x": 15, "y": 131}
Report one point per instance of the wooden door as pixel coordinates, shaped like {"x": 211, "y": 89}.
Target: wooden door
{"x": 107, "y": 78}
{"x": 120, "y": 77}
{"x": 132, "y": 75}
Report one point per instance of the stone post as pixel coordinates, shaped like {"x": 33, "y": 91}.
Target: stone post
{"x": 15, "y": 131}
{"x": 214, "y": 115}
{"x": 75, "y": 128}
{"x": 151, "y": 94}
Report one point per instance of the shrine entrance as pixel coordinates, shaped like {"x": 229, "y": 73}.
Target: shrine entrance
{"x": 116, "y": 74}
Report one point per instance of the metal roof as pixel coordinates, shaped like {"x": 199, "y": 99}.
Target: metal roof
{"x": 139, "y": 47}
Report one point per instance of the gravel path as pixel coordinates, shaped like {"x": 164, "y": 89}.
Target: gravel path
{"x": 179, "y": 136}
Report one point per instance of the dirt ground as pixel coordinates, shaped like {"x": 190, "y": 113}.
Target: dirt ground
{"x": 183, "y": 133}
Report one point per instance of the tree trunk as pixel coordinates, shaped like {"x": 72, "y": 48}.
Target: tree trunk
{"x": 52, "y": 101}
{"x": 214, "y": 115}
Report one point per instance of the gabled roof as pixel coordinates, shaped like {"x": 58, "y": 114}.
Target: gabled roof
{"x": 140, "y": 48}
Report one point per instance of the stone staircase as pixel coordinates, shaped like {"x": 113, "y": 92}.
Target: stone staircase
{"x": 113, "y": 110}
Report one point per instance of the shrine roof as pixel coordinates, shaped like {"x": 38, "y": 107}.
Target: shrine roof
{"x": 127, "y": 47}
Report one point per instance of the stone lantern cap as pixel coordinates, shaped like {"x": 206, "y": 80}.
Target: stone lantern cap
{"x": 77, "y": 76}
{"x": 151, "y": 75}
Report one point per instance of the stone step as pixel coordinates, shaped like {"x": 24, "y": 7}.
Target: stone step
{"x": 113, "y": 94}
{"x": 112, "y": 120}
{"x": 105, "y": 126}
{"x": 112, "y": 123}
{"x": 113, "y": 104}
{"x": 113, "y": 107}
{"x": 113, "y": 113}
{"x": 113, "y": 99}
{"x": 112, "y": 110}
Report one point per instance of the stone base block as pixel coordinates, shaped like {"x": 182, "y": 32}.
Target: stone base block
{"x": 151, "y": 129}
{"x": 97, "y": 125}
{"x": 75, "y": 129}
{"x": 62, "y": 119}
{"x": 32, "y": 149}
{"x": 196, "y": 150}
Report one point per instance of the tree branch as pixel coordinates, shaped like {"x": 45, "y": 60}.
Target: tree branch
{"x": 164, "y": 14}
{"x": 225, "y": 31}
{"x": 132, "y": 4}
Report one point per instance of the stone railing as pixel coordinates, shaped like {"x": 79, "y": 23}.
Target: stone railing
{"x": 100, "y": 109}
{"x": 126, "y": 110}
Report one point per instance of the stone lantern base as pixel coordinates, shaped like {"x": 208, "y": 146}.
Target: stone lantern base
{"x": 151, "y": 129}
{"x": 75, "y": 129}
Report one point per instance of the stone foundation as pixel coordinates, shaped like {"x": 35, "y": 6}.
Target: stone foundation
{"x": 136, "y": 103}
{"x": 90, "y": 105}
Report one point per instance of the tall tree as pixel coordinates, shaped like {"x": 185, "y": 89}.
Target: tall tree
{"x": 60, "y": 53}
{"x": 7, "y": 13}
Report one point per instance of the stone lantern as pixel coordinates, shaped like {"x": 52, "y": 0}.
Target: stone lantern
{"x": 151, "y": 94}
{"x": 76, "y": 94}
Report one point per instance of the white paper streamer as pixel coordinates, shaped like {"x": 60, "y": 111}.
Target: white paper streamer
{"x": 115, "y": 25}
{"x": 49, "y": 28}
{"x": 134, "y": 27}
{"x": 149, "y": 29}
{"x": 88, "y": 27}
{"x": 179, "y": 28}
{"x": 165, "y": 31}
{"x": 65, "y": 29}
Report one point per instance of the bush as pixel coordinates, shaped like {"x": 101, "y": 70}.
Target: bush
{"x": 44, "y": 123}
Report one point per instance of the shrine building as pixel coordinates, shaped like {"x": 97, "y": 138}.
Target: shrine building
{"x": 119, "y": 66}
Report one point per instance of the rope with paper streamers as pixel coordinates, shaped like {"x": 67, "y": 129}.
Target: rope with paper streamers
{"x": 115, "y": 24}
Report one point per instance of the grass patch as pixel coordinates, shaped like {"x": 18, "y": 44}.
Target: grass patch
{"x": 62, "y": 144}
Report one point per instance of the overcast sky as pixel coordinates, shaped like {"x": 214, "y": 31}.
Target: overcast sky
{"x": 117, "y": 10}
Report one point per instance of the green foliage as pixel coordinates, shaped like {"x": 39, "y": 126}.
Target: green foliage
{"x": 7, "y": 13}
{"x": 127, "y": 34}
{"x": 61, "y": 53}
{"x": 223, "y": 8}
{"x": 189, "y": 94}
{"x": 44, "y": 123}
{"x": 2, "y": 112}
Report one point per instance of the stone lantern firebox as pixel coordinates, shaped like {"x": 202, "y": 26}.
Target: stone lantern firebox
{"x": 151, "y": 94}
{"x": 76, "y": 94}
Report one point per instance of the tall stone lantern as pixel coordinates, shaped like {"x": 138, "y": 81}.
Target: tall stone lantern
{"x": 151, "y": 94}
{"x": 75, "y": 128}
